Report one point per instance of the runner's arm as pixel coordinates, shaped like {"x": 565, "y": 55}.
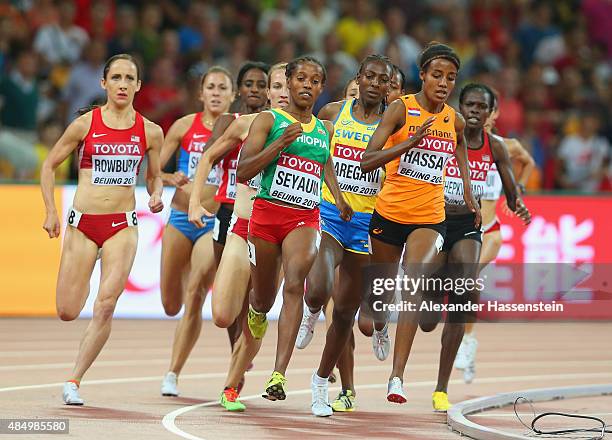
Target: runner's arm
{"x": 332, "y": 182}
{"x": 504, "y": 167}
{"x": 393, "y": 119}
{"x": 517, "y": 152}
{"x": 155, "y": 186}
{"x": 235, "y": 133}
{"x": 464, "y": 169}
{"x": 65, "y": 145}
{"x": 171, "y": 142}
{"x": 253, "y": 157}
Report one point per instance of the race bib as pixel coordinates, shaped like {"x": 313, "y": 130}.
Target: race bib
{"x": 114, "y": 170}
{"x": 194, "y": 160}
{"x": 348, "y": 172}
{"x": 453, "y": 184}
{"x": 297, "y": 180}
{"x": 427, "y": 160}
{"x": 230, "y": 191}
{"x": 255, "y": 182}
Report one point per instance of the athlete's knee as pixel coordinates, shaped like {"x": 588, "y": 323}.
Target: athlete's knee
{"x": 428, "y": 326}
{"x": 343, "y": 315}
{"x": 104, "y": 308}
{"x": 193, "y": 302}
{"x": 293, "y": 286}
{"x": 222, "y": 319}
{"x": 171, "y": 305}
{"x": 67, "y": 313}
{"x": 315, "y": 295}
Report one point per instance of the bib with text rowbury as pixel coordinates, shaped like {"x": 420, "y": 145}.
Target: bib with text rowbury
{"x": 113, "y": 155}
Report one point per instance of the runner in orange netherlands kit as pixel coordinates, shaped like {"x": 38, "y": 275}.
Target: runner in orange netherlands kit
{"x": 187, "y": 262}
{"x": 415, "y": 139}
{"x": 345, "y": 244}
{"x": 232, "y": 281}
{"x": 291, "y": 150}
{"x": 461, "y": 251}
{"x": 112, "y": 141}
{"x": 252, "y": 81}
{"x": 492, "y": 240}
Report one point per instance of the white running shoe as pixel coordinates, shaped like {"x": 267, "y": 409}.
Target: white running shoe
{"x": 168, "y": 387}
{"x": 71, "y": 394}
{"x": 306, "y": 331}
{"x": 395, "y": 391}
{"x": 466, "y": 354}
{"x": 469, "y": 373}
{"x": 381, "y": 343}
{"x": 320, "y": 399}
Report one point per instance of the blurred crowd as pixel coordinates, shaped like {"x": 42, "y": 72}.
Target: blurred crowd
{"x": 550, "y": 61}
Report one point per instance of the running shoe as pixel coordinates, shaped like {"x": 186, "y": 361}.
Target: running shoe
{"x": 258, "y": 323}
{"x": 345, "y": 402}
{"x": 466, "y": 353}
{"x": 306, "y": 331}
{"x": 230, "y": 401}
{"x": 320, "y": 398}
{"x": 71, "y": 394}
{"x": 469, "y": 373}
{"x": 395, "y": 391}
{"x": 275, "y": 388}
{"x": 169, "y": 382}
{"x": 440, "y": 401}
{"x": 381, "y": 343}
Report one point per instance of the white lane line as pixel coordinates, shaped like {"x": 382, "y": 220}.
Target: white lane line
{"x": 264, "y": 359}
{"x": 169, "y": 420}
{"x": 530, "y": 414}
{"x": 260, "y": 373}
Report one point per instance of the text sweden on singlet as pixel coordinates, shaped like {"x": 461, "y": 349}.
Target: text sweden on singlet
{"x": 115, "y": 163}
{"x": 453, "y": 185}
{"x": 427, "y": 160}
{"x": 350, "y": 177}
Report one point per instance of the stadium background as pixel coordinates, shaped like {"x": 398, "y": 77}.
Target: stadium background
{"x": 550, "y": 62}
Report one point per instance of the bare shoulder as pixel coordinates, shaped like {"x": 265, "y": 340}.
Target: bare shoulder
{"x": 459, "y": 121}
{"x": 153, "y": 131}
{"x": 81, "y": 125}
{"x": 330, "y": 111}
{"x": 329, "y": 125}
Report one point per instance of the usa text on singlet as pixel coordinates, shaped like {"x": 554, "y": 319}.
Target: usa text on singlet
{"x": 348, "y": 143}
{"x": 480, "y": 161}
{"x": 113, "y": 155}
{"x": 296, "y": 174}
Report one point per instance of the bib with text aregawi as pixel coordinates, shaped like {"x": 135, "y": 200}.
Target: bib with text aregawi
{"x": 113, "y": 155}
{"x": 192, "y": 146}
{"x": 480, "y": 163}
{"x": 413, "y": 191}
{"x": 295, "y": 176}
{"x": 349, "y": 141}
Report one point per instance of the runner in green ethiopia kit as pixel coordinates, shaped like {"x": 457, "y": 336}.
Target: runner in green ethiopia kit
{"x": 291, "y": 149}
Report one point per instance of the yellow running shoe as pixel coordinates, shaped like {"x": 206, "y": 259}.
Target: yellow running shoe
{"x": 440, "y": 401}
{"x": 275, "y": 388}
{"x": 345, "y": 402}
{"x": 229, "y": 400}
{"x": 258, "y": 323}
